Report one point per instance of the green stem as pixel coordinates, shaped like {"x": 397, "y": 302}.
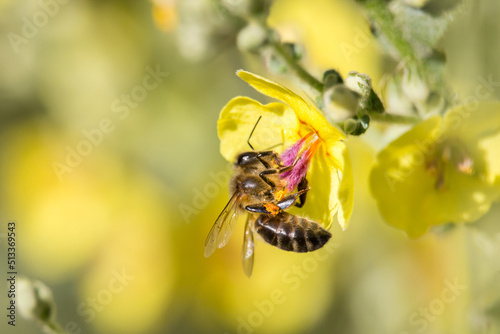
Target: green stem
{"x": 395, "y": 119}
{"x": 378, "y": 12}
{"x": 296, "y": 67}
{"x": 53, "y": 327}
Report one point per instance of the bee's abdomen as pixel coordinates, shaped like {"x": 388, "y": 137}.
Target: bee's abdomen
{"x": 291, "y": 233}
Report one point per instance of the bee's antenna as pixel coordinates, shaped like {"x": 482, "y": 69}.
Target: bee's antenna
{"x": 251, "y": 133}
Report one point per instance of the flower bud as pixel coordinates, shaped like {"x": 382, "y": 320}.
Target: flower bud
{"x": 415, "y": 3}
{"x": 194, "y": 41}
{"x": 350, "y": 126}
{"x": 394, "y": 98}
{"x": 357, "y": 126}
{"x": 340, "y": 102}
{"x": 274, "y": 62}
{"x": 251, "y": 37}
{"x": 244, "y": 8}
{"x": 413, "y": 85}
{"x": 237, "y": 7}
{"x": 331, "y": 78}
{"x": 204, "y": 26}
{"x": 362, "y": 84}
{"x": 35, "y": 300}
{"x": 372, "y": 103}
{"x": 359, "y": 82}
{"x": 435, "y": 104}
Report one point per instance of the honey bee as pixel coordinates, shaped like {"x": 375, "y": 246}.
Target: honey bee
{"x": 257, "y": 189}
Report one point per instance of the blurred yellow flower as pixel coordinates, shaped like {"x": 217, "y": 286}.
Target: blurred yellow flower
{"x": 106, "y": 226}
{"x": 319, "y": 143}
{"x": 443, "y": 170}
{"x": 165, "y": 14}
{"x": 334, "y": 33}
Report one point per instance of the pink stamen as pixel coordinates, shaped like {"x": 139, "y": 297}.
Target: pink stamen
{"x": 289, "y": 155}
{"x": 301, "y": 156}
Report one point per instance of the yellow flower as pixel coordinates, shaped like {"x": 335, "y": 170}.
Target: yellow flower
{"x": 328, "y": 167}
{"x": 335, "y": 34}
{"x": 80, "y": 226}
{"x": 443, "y": 170}
{"x": 165, "y": 14}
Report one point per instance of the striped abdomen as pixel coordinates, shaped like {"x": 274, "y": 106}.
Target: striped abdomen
{"x": 291, "y": 233}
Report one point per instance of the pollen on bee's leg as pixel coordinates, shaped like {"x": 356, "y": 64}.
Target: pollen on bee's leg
{"x": 279, "y": 195}
{"x": 272, "y": 208}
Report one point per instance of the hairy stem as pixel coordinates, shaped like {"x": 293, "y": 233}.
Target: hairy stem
{"x": 396, "y": 119}
{"x": 53, "y": 327}
{"x": 296, "y": 67}
{"x": 379, "y": 13}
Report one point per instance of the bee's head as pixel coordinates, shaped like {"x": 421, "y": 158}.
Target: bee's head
{"x": 246, "y": 159}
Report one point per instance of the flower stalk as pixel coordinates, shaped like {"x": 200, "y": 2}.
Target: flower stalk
{"x": 297, "y": 68}
{"x": 394, "y": 119}
{"x": 36, "y": 303}
{"x": 377, "y": 10}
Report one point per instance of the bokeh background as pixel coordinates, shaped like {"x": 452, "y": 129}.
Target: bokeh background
{"x": 118, "y": 234}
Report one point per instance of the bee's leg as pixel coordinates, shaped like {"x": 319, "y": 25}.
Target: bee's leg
{"x": 303, "y": 184}
{"x": 285, "y": 203}
{"x": 273, "y": 171}
{"x": 258, "y": 208}
{"x": 273, "y": 155}
{"x": 276, "y": 159}
{"x": 290, "y": 200}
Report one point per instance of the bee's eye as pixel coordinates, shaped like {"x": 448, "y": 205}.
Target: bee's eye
{"x": 246, "y": 158}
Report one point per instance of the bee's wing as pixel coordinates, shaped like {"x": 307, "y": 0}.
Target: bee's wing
{"x": 223, "y": 227}
{"x": 247, "y": 251}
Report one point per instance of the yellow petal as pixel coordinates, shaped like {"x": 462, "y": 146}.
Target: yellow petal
{"x": 305, "y": 112}
{"x": 331, "y": 191}
{"x": 321, "y": 205}
{"x": 400, "y": 183}
{"x": 345, "y": 194}
{"x": 466, "y": 199}
{"x": 406, "y": 191}
{"x": 278, "y": 125}
{"x": 478, "y": 129}
{"x": 470, "y": 124}
{"x": 491, "y": 148}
